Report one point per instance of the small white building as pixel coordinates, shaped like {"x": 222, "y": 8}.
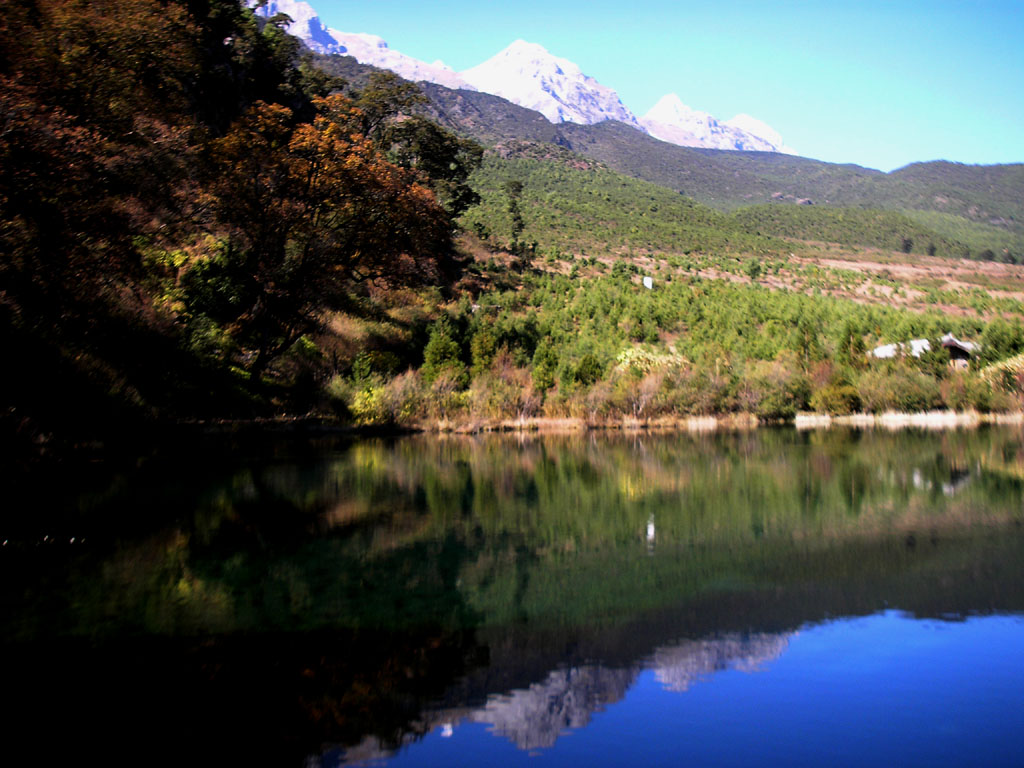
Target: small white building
{"x": 959, "y": 351}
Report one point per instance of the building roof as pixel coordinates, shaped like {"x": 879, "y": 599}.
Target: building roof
{"x": 949, "y": 340}
{"x": 918, "y": 347}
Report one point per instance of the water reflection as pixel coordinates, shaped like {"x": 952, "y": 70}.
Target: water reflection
{"x": 680, "y": 666}
{"x": 882, "y": 689}
{"x": 918, "y": 692}
{"x": 535, "y": 717}
{"x": 377, "y": 594}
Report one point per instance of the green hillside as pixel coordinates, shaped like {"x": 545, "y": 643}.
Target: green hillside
{"x": 720, "y": 178}
{"x": 489, "y": 119}
{"x": 888, "y": 230}
{"x": 983, "y": 193}
{"x": 573, "y": 205}
{"x": 985, "y": 241}
{"x": 992, "y": 196}
{"x": 982, "y": 206}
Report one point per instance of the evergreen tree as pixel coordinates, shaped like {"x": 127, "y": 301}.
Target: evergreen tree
{"x": 443, "y": 354}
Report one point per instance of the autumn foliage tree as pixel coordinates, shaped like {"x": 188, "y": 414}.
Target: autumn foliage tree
{"x": 306, "y": 213}
{"x": 93, "y": 116}
{"x": 171, "y": 165}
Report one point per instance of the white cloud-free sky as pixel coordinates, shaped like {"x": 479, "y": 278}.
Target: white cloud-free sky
{"x": 876, "y": 83}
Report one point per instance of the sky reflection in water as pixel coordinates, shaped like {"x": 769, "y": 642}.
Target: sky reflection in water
{"x": 885, "y": 689}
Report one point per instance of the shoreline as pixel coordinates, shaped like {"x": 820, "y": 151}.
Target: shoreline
{"x": 894, "y": 420}
{"x": 251, "y": 432}
{"x": 735, "y": 422}
{"x": 732, "y": 422}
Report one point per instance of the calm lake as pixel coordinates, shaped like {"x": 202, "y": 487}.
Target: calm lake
{"x": 770, "y": 598}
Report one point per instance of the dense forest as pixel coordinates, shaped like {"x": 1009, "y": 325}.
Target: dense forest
{"x": 199, "y": 220}
{"x": 185, "y": 200}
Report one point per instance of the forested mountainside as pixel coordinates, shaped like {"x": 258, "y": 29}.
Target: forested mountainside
{"x": 985, "y": 194}
{"x": 979, "y": 208}
{"x": 198, "y": 220}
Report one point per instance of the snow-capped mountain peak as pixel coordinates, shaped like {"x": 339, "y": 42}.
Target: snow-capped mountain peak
{"x": 670, "y": 109}
{"x": 672, "y": 121}
{"x": 367, "y": 49}
{"x": 671, "y": 116}
{"x": 760, "y": 129}
{"x": 528, "y": 75}
{"x": 306, "y": 25}
{"x": 373, "y": 50}
{"x": 532, "y": 57}
{"x": 755, "y": 127}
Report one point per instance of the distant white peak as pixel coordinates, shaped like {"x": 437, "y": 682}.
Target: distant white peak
{"x": 671, "y": 110}
{"x": 374, "y": 51}
{"x": 528, "y": 75}
{"x": 756, "y": 127}
{"x": 672, "y": 121}
{"x": 305, "y": 25}
{"x": 361, "y": 40}
{"x": 762, "y": 130}
{"x": 535, "y": 57}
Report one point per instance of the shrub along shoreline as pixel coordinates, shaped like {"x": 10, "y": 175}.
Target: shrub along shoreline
{"x": 735, "y": 422}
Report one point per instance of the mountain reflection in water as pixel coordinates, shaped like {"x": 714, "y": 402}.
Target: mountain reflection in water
{"x": 534, "y": 717}
{"x": 678, "y": 667}
{"x": 361, "y": 601}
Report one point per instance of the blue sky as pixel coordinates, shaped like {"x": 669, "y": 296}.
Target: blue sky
{"x": 881, "y": 84}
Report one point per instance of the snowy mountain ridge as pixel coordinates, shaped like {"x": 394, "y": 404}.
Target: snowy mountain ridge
{"x": 672, "y": 121}
{"x": 373, "y": 50}
{"x": 528, "y": 75}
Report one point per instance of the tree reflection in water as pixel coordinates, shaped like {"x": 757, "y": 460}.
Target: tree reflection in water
{"x": 365, "y": 594}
